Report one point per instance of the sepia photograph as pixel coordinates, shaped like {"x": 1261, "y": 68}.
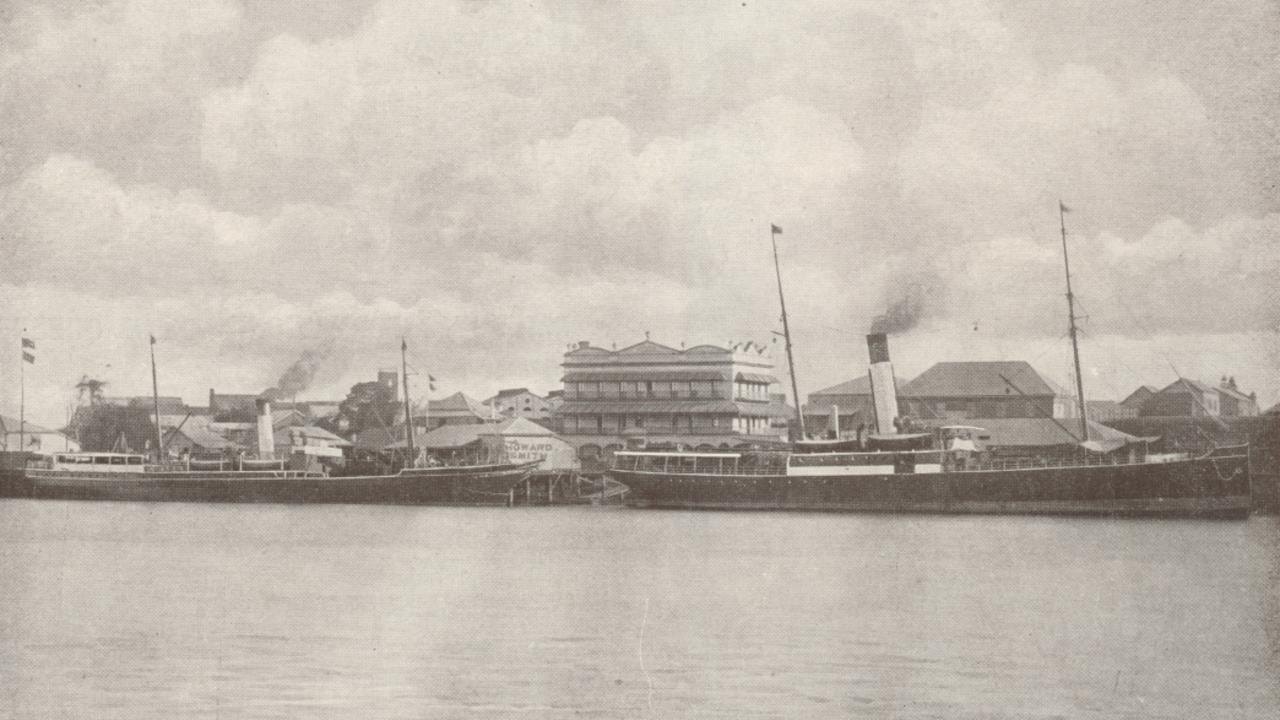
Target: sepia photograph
{"x": 561, "y": 359}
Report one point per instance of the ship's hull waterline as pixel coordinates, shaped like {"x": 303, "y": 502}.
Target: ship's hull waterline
{"x": 1215, "y": 485}
{"x": 472, "y": 485}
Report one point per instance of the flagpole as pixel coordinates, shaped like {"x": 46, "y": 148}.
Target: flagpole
{"x": 408, "y": 414}
{"x": 774, "y": 231}
{"x": 22, "y": 399}
{"x": 1071, "y": 317}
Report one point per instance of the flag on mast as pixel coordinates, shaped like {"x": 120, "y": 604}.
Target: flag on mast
{"x": 1063, "y": 208}
{"x": 431, "y": 381}
{"x": 28, "y": 344}
{"x": 775, "y": 229}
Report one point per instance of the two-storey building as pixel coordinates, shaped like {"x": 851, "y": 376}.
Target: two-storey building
{"x": 705, "y": 395}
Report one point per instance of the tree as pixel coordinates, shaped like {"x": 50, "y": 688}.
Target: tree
{"x": 369, "y": 405}
{"x": 99, "y": 428}
{"x": 90, "y": 390}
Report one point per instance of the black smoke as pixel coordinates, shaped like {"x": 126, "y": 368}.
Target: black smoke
{"x": 909, "y": 300}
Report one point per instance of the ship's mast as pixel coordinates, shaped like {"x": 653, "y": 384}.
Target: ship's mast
{"x": 1071, "y": 317}
{"x": 774, "y": 232}
{"x": 408, "y": 414}
{"x": 155, "y": 401}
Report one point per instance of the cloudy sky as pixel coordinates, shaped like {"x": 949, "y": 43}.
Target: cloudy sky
{"x": 252, "y": 181}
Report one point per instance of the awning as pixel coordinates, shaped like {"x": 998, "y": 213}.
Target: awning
{"x": 757, "y": 378}
{"x": 640, "y": 375}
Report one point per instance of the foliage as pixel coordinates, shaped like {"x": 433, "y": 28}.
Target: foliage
{"x": 369, "y": 405}
{"x": 99, "y": 428}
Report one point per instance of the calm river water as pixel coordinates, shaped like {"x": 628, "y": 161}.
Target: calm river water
{"x": 206, "y": 611}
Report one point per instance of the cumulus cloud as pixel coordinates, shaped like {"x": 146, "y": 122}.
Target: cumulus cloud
{"x": 496, "y": 181}
{"x": 109, "y": 79}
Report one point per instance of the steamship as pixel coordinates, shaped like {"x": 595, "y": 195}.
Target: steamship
{"x": 943, "y": 470}
{"x": 132, "y": 477}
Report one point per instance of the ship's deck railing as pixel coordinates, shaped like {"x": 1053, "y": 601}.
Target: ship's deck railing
{"x": 776, "y": 465}
{"x": 1066, "y": 461}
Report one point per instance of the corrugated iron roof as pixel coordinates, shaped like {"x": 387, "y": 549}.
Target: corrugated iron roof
{"x": 202, "y": 437}
{"x": 757, "y": 377}
{"x": 977, "y": 379}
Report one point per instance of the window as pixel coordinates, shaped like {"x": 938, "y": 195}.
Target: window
{"x": 100, "y": 460}
{"x": 639, "y": 421}
{"x": 628, "y": 389}
{"x": 117, "y": 461}
{"x": 589, "y": 390}
{"x": 700, "y": 389}
{"x": 648, "y": 388}
{"x": 599, "y": 424}
{"x": 609, "y": 390}
{"x": 135, "y": 461}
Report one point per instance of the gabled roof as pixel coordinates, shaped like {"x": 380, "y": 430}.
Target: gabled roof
{"x": 200, "y": 436}
{"x": 289, "y": 415}
{"x": 10, "y": 425}
{"x": 978, "y": 379}
{"x": 1181, "y": 386}
{"x": 1139, "y": 395}
{"x": 516, "y": 426}
{"x": 508, "y": 392}
{"x": 648, "y": 347}
{"x": 458, "y": 404}
{"x": 860, "y": 385}
{"x": 1234, "y": 392}
{"x": 448, "y": 436}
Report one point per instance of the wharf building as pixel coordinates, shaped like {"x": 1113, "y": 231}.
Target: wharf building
{"x": 703, "y": 397}
{"x": 953, "y": 391}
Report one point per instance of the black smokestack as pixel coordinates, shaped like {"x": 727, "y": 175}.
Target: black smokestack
{"x": 884, "y": 390}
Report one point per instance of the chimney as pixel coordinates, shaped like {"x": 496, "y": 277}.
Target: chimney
{"x": 266, "y": 433}
{"x": 584, "y": 344}
{"x": 884, "y": 394}
{"x": 834, "y": 423}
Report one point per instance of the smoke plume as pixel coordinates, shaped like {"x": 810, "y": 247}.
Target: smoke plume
{"x": 909, "y": 301}
{"x": 299, "y": 375}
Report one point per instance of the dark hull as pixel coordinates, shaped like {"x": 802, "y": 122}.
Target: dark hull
{"x": 1215, "y": 486}
{"x": 476, "y": 485}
